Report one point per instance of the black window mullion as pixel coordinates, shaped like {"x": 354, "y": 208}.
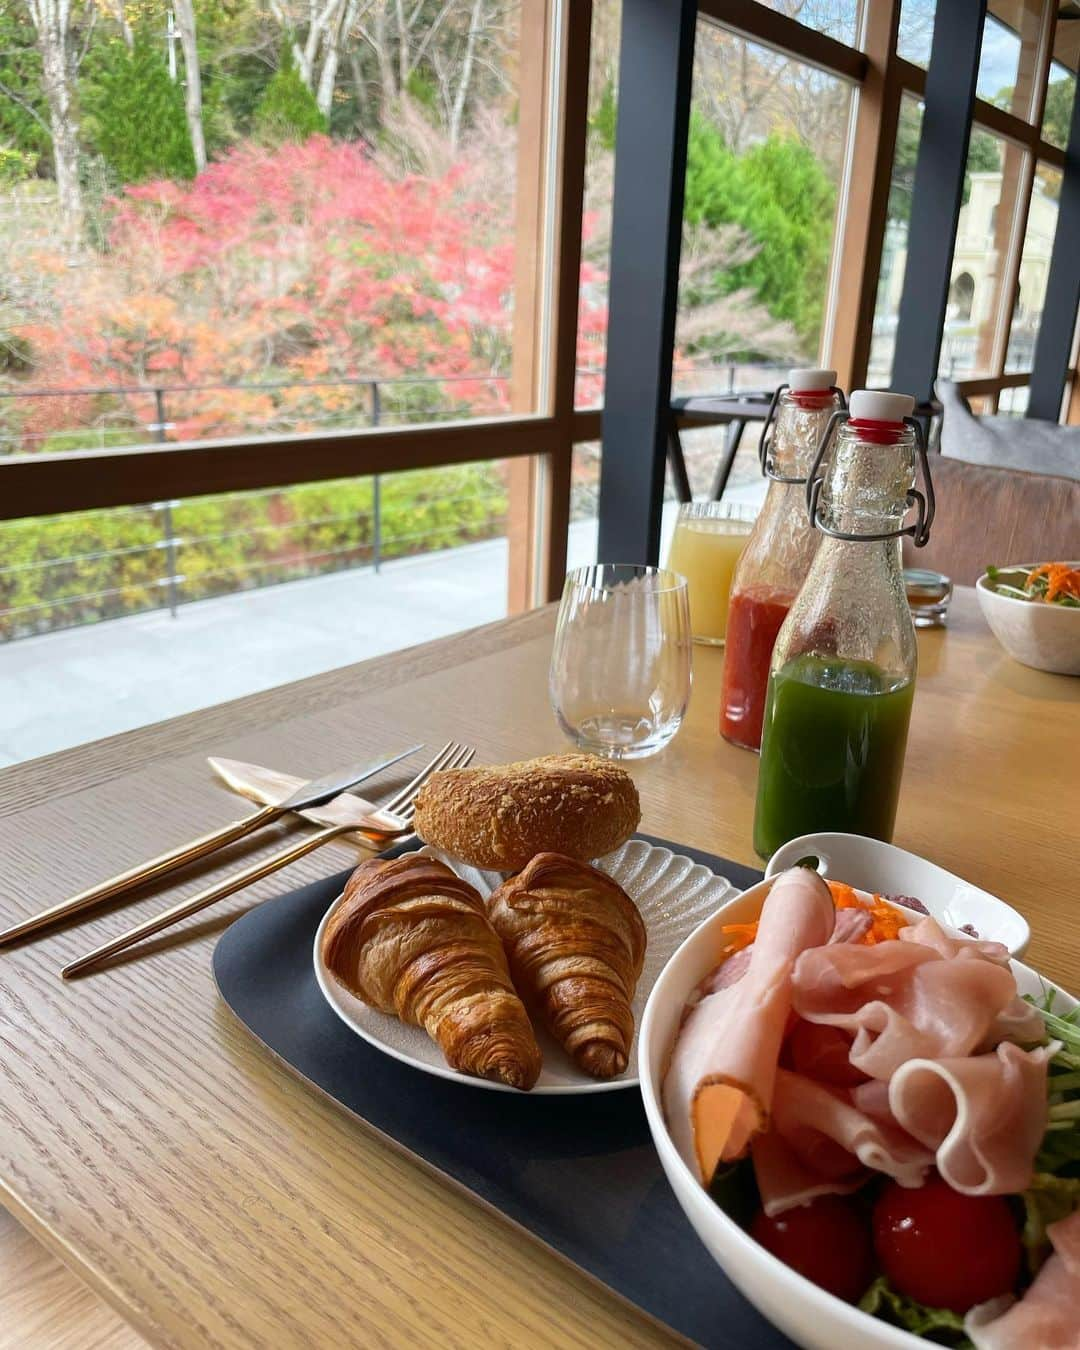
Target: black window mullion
{"x": 1053, "y": 346}
{"x": 655, "y": 74}
{"x": 937, "y": 193}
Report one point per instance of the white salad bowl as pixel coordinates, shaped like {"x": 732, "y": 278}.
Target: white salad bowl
{"x": 871, "y": 865}
{"x": 811, "y": 1317}
{"x": 1032, "y": 632}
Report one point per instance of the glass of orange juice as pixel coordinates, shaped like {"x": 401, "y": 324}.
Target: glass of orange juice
{"x": 708, "y": 539}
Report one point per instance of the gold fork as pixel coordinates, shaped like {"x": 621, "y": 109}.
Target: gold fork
{"x": 400, "y": 809}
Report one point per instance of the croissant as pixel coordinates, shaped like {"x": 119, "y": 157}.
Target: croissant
{"x": 412, "y": 939}
{"x": 576, "y": 944}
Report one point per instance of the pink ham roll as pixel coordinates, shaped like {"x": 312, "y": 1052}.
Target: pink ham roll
{"x": 1048, "y": 1316}
{"x": 983, "y": 1115}
{"x": 719, "y": 1086}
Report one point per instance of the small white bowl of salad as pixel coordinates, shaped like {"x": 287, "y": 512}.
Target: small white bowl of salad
{"x": 941, "y": 1218}
{"x": 1033, "y": 610}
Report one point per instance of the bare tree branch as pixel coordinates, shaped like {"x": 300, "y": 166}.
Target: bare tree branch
{"x": 458, "y": 110}
{"x": 430, "y": 34}
{"x": 92, "y": 12}
{"x": 26, "y": 106}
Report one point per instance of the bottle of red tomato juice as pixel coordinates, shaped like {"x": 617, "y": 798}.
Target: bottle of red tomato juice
{"x": 779, "y": 551}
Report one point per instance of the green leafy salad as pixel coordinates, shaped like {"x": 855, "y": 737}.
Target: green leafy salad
{"x": 1050, "y": 583}
{"x": 845, "y": 1243}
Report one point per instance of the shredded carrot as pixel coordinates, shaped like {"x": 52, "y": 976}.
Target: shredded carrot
{"x": 739, "y": 935}
{"x": 886, "y": 921}
{"x": 1061, "y": 579}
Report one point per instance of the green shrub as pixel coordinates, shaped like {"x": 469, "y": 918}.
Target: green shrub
{"x": 15, "y": 165}
{"x": 91, "y": 438}
{"x": 16, "y": 353}
{"x": 287, "y": 110}
{"x": 779, "y": 193}
{"x": 134, "y": 114}
{"x": 64, "y": 570}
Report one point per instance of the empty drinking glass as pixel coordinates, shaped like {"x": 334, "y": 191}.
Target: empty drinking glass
{"x": 620, "y": 670}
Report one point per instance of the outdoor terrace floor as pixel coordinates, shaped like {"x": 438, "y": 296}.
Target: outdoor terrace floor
{"x": 62, "y": 689}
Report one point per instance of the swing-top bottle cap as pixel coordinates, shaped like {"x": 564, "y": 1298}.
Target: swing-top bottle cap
{"x": 804, "y": 381}
{"x": 873, "y": 405}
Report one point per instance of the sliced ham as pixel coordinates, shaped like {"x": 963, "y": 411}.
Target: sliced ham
{"x": 728, "y": 972}
{"x": 852, "y": 925}
{"x": 784, "y": 1181}
{"x": 719, "y": 1086}
{"x": 983, "y": 1115}
{"x": 929, "y": 933}
{"x": 872, "y": 1097}
{"x": 909, "y": 999}
{"x": 1048, "y": 1316}
{"x": 821, "y": 1053}
{"x": 820, "y": 1142}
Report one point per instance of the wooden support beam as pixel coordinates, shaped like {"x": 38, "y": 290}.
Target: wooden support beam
{"x": 865, "y": 211}
{"x": 530, "y": 257}
{"x": 569, "y": 200}
{"x": 43, "y": 485}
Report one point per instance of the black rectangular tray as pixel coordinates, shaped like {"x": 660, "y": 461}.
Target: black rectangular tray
{"x": 579, "y": 1173}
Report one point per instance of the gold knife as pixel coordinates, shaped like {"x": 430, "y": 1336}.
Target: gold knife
{"x": 270, "y": 787}
{"x": 302, "y": 798}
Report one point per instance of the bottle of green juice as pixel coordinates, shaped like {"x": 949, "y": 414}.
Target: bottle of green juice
{"x": 842, "y": 674}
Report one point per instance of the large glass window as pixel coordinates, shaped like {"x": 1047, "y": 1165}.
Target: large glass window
{"x": 346, "y": 257}
{"x": 596, "y": 216}
{"x": 894, "y": 248}
{"x": 836, "y": 18}
{"x": 992, "y": 186}
{"x": 374, "y": 564}
{"x": 916, "y": 32}
{"x": 1057, "y": 113}
{"x": 764, "y": 168}
{"x": 1034, "y": 268}
{"x": 1009, "y": 53}
{"x": 1061, "y": 89}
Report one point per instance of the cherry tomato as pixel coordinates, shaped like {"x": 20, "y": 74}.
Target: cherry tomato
{"x": 946, "y": 1249}
{"x": 821, "y": 1053}
{"x": 827, "y": 1240}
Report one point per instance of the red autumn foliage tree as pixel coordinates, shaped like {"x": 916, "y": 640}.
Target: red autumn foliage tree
{"x": 304, "y": 265}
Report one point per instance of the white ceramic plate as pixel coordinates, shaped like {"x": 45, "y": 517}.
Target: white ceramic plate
{"x": 674, "y": 895}
{"x": 869, "y": 865}
{"x": 811, "y": 1317}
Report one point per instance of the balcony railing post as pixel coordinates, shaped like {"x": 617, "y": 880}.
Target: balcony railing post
{"x": 376, "y": 485}
{"x": 166, "y": 508}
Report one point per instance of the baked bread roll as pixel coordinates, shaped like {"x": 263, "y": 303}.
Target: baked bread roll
{"x": 412, "y": 939}
{"x": 502, "y": 817}
{"x": 576, "y": 944}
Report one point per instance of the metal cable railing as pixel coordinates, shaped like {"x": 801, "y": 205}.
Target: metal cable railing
{"x": 297, "y": 554}
{"x": 31, "y": 589}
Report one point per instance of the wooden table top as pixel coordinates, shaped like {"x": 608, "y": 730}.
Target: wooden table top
{"x": 217, "y": 1201}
